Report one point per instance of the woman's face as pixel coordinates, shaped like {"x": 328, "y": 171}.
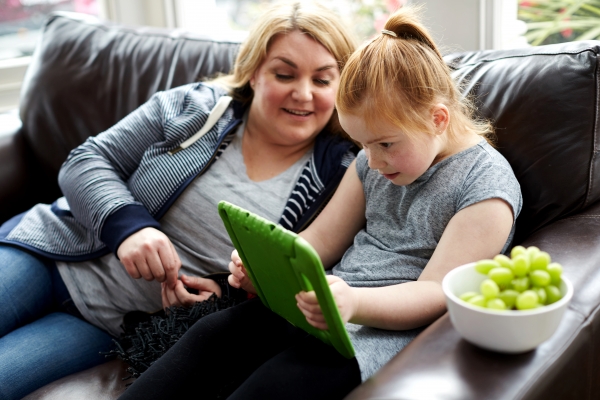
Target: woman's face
{"x": 294, "y": 90}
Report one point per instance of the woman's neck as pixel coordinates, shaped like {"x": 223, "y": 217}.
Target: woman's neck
{"x": 265, "y": 159}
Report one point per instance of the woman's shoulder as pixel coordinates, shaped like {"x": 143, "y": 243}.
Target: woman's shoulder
{"x": 197, "y": 93}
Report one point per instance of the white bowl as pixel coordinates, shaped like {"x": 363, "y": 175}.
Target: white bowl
{"x": 510, "y": 331}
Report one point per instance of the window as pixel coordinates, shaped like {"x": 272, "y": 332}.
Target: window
{"x": 558, "y": 21}
{"x": 21, "y": 20}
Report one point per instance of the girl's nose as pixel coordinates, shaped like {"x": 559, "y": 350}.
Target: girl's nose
{"x": 375, "y": 162}
{"x": 302, "y": 91}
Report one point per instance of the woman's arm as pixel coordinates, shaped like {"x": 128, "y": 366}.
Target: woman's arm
{"x": 94, "y": 176}
{"x": 94, "y": 180}
{"x": 476, "y": 232}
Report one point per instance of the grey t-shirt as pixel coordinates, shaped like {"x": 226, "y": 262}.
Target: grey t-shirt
{"x": 104, "y": 292}
{"x": 404, "y": 226}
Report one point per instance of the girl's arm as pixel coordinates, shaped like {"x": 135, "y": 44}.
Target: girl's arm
{"x": 476, "y": 232}
{"x": 333, "y": 231}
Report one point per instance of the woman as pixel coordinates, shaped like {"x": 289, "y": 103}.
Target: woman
{"x": 140, "y": 199}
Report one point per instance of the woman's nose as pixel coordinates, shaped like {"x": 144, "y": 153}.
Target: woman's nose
{"x": 302, "y": 91}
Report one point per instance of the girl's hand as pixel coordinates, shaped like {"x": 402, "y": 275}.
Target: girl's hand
{"x": 239, "y": 278}
{"x": 345, "y": 298}
{"x": 179, "y": 296}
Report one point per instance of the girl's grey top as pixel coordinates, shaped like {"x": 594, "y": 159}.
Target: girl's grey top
{"x": 103, "y": 291}
{"x": 405, "y": 224}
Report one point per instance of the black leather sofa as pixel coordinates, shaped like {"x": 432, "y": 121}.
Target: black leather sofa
{"x": 544, "y": 102}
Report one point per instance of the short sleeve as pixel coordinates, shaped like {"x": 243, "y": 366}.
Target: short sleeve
{"x": 488, "y": 181}
{"x": 362, "y": 166}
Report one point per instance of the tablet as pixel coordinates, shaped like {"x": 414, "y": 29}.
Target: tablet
{"x": 280, "y": 264}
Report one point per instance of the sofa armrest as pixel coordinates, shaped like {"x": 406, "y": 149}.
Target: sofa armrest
{"x": 440, "y": 364}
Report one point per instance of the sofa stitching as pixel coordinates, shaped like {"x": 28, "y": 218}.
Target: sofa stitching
{"x": 487, "y": 60}
{"x": 590, "y": 216}
{"x": 595, "y": 134}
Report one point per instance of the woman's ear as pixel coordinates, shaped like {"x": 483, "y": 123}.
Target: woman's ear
{"x": 441, "y": 118}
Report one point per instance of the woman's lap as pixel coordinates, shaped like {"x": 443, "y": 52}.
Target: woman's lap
{"x": 53, "y": 346}
{"x": 37, "y": 344}
{"x": 231, "y": 348}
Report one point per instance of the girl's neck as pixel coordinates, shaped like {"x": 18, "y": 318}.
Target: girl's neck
{"x": 265, "y": 159}
{"x": 455, "y": 146}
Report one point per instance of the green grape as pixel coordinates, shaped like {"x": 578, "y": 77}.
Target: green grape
{"x": 502, "y": 276}
{"x": 484, "y": 266}
{"x": 517, "y": 250}
{"x": 521, "y": 265}
{"x": 540, "y": 261}
{"x": 552, "y": 294}
{"x": 532, "y": 251}
{"x": 504, "y": 261}
{"x": 542, "y": 295}
{"x": 509, "y": 297}
{"x": 468, "y": 295}
{"x": 496, "y": 304}
{"x": 539, "y": 278}
{"x": 520, "y": 284}
{"x": 489, "y": 289}
{"x": 478, "y": 300}
{"x": 555, "y": 271}
{"x": 527, "y": 300}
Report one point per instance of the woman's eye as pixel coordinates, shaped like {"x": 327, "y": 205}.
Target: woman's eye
{"x": 322, "y": 82}
{"x": 283, "y": 77}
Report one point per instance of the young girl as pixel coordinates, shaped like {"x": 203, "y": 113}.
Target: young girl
{"x": 427, "y": 194}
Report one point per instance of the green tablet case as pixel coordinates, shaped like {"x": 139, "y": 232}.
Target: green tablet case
{"x": 280, "y": 264}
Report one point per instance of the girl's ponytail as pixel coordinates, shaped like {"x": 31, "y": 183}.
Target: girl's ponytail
{"x": 399, "y": 76}
{"x": 406, "y": 26}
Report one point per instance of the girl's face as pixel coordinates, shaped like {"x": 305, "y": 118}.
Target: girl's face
{"x": 294, "y": 90}
{"x": 391, "y": 152}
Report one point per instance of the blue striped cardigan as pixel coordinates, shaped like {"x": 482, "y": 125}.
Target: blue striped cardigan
{"x": 124, "y": 179}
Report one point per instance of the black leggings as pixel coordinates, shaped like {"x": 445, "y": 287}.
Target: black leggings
{"x": 247, "y": 352}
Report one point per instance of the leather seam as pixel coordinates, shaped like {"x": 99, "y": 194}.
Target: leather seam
{"x": 487, "y": 60}
{"x": 595, "y": 134}
{"x": 592, "y": 216}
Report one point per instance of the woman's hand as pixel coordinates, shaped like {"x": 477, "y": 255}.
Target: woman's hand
{"x": 239, "y": 278}
{"x": 179, "y": 296}
{"x": 149, "y": 254}
{"x": 345, "y": 298}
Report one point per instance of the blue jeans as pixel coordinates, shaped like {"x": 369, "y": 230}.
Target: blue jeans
{"x": 42, "y": 335}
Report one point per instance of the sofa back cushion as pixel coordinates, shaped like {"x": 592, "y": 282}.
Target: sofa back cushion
{"x": 87, "y": 74}
{"x": 543, "y": 102}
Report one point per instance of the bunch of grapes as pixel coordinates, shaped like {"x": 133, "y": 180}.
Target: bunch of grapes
{"x": 525, "y": 280}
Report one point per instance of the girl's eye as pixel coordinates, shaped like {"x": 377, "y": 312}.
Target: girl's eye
{"x": 283, "y": 77}
{"x": 385, "y": 145}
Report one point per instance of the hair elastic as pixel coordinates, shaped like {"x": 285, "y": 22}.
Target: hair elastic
{"x": 391, "y": 33}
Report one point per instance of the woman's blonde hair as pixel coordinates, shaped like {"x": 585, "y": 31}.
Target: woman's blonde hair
{"x": 322, "y": 24}
{"x": 399, "y": 79}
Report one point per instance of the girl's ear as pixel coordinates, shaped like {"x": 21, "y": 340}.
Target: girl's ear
{"x": 441, "y": 118}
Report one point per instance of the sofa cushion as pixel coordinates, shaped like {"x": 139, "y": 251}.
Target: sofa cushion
{"x": 86, "y": 75}
{"x": 543, "y": 102}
